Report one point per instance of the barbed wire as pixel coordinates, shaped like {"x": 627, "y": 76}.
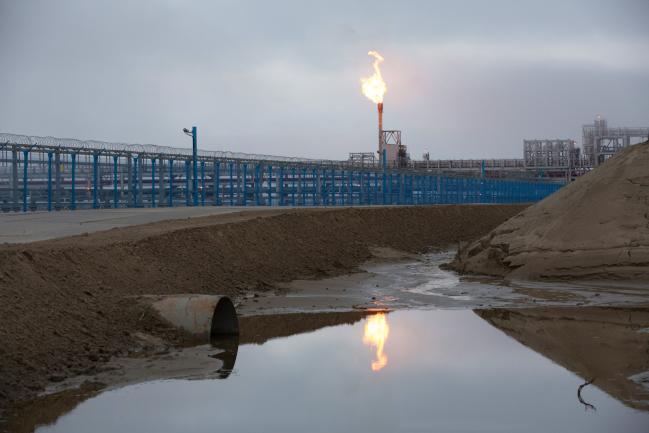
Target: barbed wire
{"x": 95, "y": 145}
{"x": 89, "y": 147}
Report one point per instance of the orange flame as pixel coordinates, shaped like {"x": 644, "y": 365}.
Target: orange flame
{"x": 374, "y": 87}
{"x": 376, "y": 333}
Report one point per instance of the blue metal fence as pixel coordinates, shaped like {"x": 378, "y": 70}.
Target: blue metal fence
{"x": 159, "y": 182}
{"x": 56, "y": 178}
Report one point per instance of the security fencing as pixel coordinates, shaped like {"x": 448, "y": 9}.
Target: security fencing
{"x": 46, "y": 173}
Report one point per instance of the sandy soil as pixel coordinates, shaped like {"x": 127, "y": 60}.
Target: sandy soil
{"x": 595, "y": 228}
{"x": 66, "y": 305}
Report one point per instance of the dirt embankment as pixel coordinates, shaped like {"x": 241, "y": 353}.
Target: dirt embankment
{"x": 67, "y": 304}
{"x": 595, "y": 228}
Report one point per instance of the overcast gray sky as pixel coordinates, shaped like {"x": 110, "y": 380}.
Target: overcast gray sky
{"x": 466, "y": 79}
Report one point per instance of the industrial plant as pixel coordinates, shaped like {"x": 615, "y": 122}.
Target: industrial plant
{"x": 47, "y": 173}
{"x": 297, "y": 256}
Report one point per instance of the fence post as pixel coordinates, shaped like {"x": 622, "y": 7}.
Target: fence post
{"x": 136, "y": 183}
{"x": 343, "y": 187}
{"x": 231, "y": 180}
{"x": 153, "y": 182}
{"x": 332, "y": 192}
{"x": 279, "y": 186}
{"x": 49, "y": 181}
{"x": 257, "y": 186}
{"x": 245, "y": 185}
{"x": 270, "y": 185}
{"x": 217, "y": 181}
{"x": 95, "y": 179}
{"x": 292, "y": 186}
{"x": 194, "y": 166}
{"x": 318, "y": 187}
{"x": 161, "y": 182}
{"x": 303, "y": 186}
{"x": 171, "y": 183}
{"x": 73, "y": 190}
{"x": 115, "y": 188}
{"x": 139, "y": 202}
{"x": 414, "y": 183}
{"x": 203, "y": 183}
{"x": 376, "y": 187}
{"x": 14, "y": 179}
{"x": 359, "y": 177}
{"x": 314, "y": 191}
{"x": 322, "y": 181}
{"x": 129, "y": 172}
{"x": 25, "y": 178}
{"x": 57, "y": 180}
{"x": 332, "y": 188}
{"x": 187, "y": 177}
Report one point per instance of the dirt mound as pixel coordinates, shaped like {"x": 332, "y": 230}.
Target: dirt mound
{"x": 596, "y": 227}
{"x": 67, "y": 304}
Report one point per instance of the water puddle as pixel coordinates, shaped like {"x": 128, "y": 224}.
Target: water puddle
{"x": 522, "y": 370}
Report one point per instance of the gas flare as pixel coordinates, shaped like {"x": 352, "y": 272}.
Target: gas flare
{"x": 376, "y": 333}
{"x": 374, "y": 87}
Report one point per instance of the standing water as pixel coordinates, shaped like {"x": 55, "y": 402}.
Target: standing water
{"x": 407, "y": 371}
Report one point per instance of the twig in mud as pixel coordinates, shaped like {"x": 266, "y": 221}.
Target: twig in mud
{"x": 581, "y": 400}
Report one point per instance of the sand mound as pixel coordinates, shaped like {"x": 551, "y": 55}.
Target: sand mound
{"x": 597, "y": 227}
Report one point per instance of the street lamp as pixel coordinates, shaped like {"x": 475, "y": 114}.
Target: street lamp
{"x": 192, "y": 134}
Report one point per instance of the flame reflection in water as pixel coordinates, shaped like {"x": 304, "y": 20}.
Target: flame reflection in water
{"x": 375, "y": 335}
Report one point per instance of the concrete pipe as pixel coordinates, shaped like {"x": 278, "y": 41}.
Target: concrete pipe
{"x": 204, "y": 316}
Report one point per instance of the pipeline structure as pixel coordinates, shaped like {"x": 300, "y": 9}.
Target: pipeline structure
{"x": 47, "y": 173}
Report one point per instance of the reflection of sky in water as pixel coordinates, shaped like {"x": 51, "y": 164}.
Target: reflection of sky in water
{"x": 447, "y": 371}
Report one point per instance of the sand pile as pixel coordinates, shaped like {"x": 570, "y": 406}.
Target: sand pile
{"x": 595, "y": 228}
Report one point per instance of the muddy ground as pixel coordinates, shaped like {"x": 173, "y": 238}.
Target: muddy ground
{"x": 67, "y": 305}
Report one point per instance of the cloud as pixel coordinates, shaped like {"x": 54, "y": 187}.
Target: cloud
{"x": 465, "y": 79}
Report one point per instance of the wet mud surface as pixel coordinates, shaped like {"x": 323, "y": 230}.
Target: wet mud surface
{"x": 396, "y": 280}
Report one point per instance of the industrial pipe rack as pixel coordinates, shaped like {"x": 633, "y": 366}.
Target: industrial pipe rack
{"x": 48, "y": 173}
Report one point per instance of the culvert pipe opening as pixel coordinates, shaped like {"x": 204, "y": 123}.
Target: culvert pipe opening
{"x": 224, "y": 320}
{"x": 204, "y": 316}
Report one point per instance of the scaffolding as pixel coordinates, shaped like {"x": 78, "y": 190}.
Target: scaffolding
{"x": 600, "y": 141}
{"x": 362, "y": 159}
{"x": 558, "y": 153}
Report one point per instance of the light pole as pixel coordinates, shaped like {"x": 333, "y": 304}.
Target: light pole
{"x": 194, "y": 163}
